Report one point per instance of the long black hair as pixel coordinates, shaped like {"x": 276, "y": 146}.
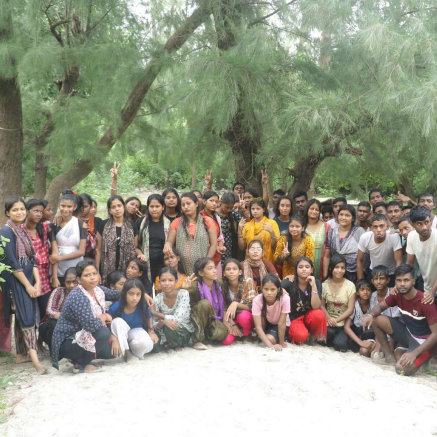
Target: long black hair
{"x": 276, "y": 210}
{"x": 109, "y": 203}
{"x": 144, "y": 278}
{"x": 31, "y": 203}
{"x": 296, "y": 218}
{"x": 178, "y": 204}
{"x": 207, "y": 195}
{"x": 225, "y": 280}
{"x": 277, "y": 283}
{"x": 142, "y": 304}
{"x": 336, "y": 259}
{"x": 295, "y": 289}
{"x": 184, "y": 221}
{"x": 307, "y": 208}
{"x": 148, "y": 219}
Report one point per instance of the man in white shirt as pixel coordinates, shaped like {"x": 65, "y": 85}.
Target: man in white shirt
{"x": 422, "y": 245}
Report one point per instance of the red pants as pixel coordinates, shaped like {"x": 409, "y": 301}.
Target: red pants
{"x": 5, "y": 333}
{"x": 313, "y": 323}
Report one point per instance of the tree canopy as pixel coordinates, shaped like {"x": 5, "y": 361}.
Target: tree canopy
{"x": 340, "y": 94}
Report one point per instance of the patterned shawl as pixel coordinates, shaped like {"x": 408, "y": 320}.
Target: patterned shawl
{"x": 191, "y": 249}
{"x": 25, "y": 250}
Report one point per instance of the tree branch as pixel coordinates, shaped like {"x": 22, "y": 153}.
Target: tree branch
{"x": 259, "y": 20}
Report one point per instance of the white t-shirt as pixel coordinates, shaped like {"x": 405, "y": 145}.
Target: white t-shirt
{"x": 434, "y": 222}
{"x": 426, "y": 256}
{"x": 381, "y": 253}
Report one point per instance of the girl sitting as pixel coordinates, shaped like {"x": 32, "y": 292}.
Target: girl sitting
{"x": 173, "y": 260}
{"x": 305, "y": 301}
{"x": 338, "y": 300}
{"x": 132, "y": 322}
{"x": 207, "y": 301}
{"x": 172, "y": 309}
{"x": 270, "y": 313}
{"x": 240, "y": 296}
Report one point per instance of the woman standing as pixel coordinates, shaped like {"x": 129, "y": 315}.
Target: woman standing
{"x": 172, "y": 204}
{"x": 343, "y": 240}
{"x": 115, "y": 239}
{"x": 152, "y": 235}
{"x": 40, "y": 234}
{"x": 69, "y": 239}
{"x": 193, "y": 235}
{"x": 90, "y": 223}
{"x": 259, "y": 227}
{"x": 283, "y": 211}
{"x": 22, "y": 284}
{"x": 318, "y": 230}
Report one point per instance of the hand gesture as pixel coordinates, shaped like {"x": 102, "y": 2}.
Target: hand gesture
{"x": 402, "y": 197}
{"x": 332, "y": 322}
{"x": 285, "y": 251}
{"x": 114, "y": 170}
{"x": 367, "y": 321}
{"x": 264, "y": 177}
{"x": 188, "y": 281}
{"x": 208, "y": 179}
{"x": 142, "y": 257}
{"x": 312, "y": 281}
{"x": 241, "y": 203}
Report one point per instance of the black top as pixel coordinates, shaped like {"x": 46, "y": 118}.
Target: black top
{"x": 118, "y": 234}
{"x": 300, "y": 301}
{"x": 156, "y": 240}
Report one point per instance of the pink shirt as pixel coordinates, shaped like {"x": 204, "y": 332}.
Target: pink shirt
{"x": 274, "y": 311}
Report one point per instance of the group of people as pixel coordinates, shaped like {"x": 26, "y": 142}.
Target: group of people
{"x": 199, "y": 267}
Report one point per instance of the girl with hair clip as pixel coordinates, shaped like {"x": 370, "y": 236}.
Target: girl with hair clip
{"x": 40, "y": 234}
{"x": 173, "y": 260}
{"x": 152, "y": 235}
{"x": 69, "y": 238}
{"x": 172, "y": 204}
{"x": 116, "y": 239}
{"x": 306, "y": 317}
{"x": 132, "y": 323}
{"x": 338, "y": 300}
{"x": 259, "y": 227}
{"x": 292, "y": 246}
{"x": 193, "y": 235}
{"x": 208, "y": 302}
{"x": 21, "y": 284}
{"x": 318, "y": 230}
{"x": 240, "y": 296}
{"x": 210, "y": 204}
{"x": 270, "y": 313}
{"x": 172, "y": 311}
{"x": 90, "y": 223}
{"x": 283, "y": 211}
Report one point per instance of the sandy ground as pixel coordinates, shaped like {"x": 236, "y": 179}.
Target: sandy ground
{"x": 242, "y": 389}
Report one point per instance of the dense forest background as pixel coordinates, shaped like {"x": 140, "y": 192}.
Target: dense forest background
{"x": 333, "y": 95}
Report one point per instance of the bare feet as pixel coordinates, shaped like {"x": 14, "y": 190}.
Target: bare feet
{"x": 22, "y": 359}
{"x": 40, "y": 368}
{"x": 199, "y": 346}
{"x": 91, "y": 368}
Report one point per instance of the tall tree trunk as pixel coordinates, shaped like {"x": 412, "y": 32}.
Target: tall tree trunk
{"x": 194, "y": 175}
{"x": 67, "y": 86}
{"x": 245, "y": 142}
{"x": 303, "y": 172}
{"x": 11, "y": 119}
{"x": 134, "y": 101}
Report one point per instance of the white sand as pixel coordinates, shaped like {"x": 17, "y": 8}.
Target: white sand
{"x": 238, "y": 390}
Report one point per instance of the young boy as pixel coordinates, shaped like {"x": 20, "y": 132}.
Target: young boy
{"x": 417, "y": 335}
{"x": 384, "y": 248}
{"x": 360, "y": 340}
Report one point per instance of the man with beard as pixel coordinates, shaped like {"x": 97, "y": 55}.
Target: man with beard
{"x": 422, "y": 245}
{"x": 416, "y": 337}
{"x": 384, "y": 248}
{"x": 394, "y": 213}
{"x": 363, "y": 215}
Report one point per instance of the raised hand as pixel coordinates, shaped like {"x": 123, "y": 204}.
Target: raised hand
{"x": 241, "y": 203}
{"x": 188, "y": 281}
{"x": 241, "y": 224}
{"x": 114, "y": 170}
{"x": 402, "y": 197}
{"x": 268, "y": 227}
{"x": 264, "y": 177}
{"x": 208, "y": 179}
{"x": 285, "y": 251}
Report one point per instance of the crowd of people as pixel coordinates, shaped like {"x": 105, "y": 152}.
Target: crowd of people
{"x": 198, "y": 267}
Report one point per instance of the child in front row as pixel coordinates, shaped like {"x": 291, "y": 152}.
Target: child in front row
{"x": 172, "y": 310}
{"x": 132, "y": 323}
{"x": 270, "y": 313}
{"x": 359, "y": 339}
